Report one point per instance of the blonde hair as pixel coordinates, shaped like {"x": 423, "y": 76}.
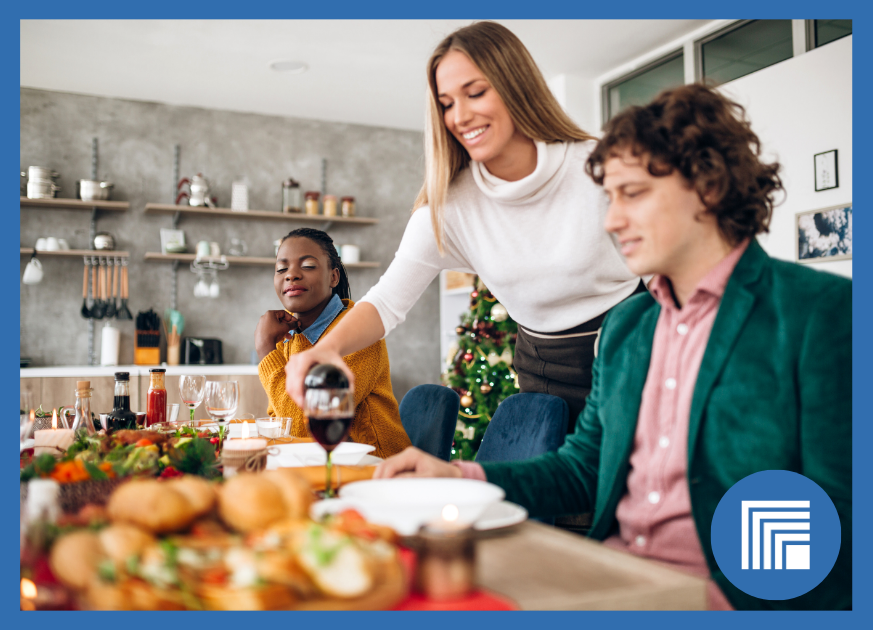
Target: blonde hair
{"x": 512, "y": 72}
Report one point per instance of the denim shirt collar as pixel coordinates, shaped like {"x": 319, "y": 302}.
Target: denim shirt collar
{"x": 330, "y": 312}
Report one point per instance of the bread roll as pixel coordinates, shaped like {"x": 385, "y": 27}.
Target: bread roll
{"x": 122, "y": 541}
{"x": 250, "y": 501}
{"x": 296, "y": 491}
{"x": 151, "y": 504}
{"x": 199, "y": 492}
{"x": 266, "y": 597}
{"x": 74, "y": 558}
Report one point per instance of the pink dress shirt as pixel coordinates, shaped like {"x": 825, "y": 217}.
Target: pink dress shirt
{"x": 654, "y": 517}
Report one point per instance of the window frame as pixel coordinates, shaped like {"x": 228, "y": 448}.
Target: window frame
{"x": 604, "y": 89}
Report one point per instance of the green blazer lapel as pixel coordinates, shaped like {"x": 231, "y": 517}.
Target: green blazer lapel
{"x": 736, "y": 304}
{"x": 621, "y": 415}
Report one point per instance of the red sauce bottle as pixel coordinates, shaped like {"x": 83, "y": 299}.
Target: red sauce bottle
{"x": 156, "y": 405}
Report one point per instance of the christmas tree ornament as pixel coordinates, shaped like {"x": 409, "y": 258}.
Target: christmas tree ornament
{"x": 474, "y": 294}
{"x": 468, "y": 357}
{"x": 499, "y": 313}
{"x": 493, "y": 358}
{"x": 466, "y": 400}
{"x": 485, "y": 388}
{"x": 506, "y": 356}
{"x": 460, "y": 330}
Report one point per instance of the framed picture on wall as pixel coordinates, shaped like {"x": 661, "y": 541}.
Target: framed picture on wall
{"x": 824, "y": 235}
{"x": 826, "y": 170}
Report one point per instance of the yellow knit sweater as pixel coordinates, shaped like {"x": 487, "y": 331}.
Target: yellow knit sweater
{"x": 377, "y": 416}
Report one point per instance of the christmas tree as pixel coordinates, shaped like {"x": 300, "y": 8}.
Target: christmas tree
{"x": 479, "y": 367}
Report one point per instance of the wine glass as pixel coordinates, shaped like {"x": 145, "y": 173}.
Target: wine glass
{"x": 222, "y": 398}
{"x": 330, "y": 412}
{"x": 191, "y": 391}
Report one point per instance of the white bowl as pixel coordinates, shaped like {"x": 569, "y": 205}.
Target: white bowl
{"x": 311, "y": 454}
{"x": 406, "y": 504}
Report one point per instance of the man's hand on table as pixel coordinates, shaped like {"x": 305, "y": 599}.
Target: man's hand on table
{"x": 272, "y": 328}
{"x": 413, "y": 462}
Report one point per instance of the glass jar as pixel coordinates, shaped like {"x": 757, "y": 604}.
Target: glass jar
{"x": 348, "y": 206}
{"x": 291, "y": 199}
{"x": 156, "y": 403}
{"x": 312, "y": 202}
{"x": 330, "y": 205}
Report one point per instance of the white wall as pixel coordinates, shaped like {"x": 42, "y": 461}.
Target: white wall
{"x": 800, "y": 107}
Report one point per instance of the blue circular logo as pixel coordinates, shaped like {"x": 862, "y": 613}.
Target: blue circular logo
{"x": 775, "y": 534}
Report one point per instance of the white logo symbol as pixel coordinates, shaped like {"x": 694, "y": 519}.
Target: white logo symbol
{"x": 778, "y": 532}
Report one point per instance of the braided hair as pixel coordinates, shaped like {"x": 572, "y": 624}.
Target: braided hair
{"x": 342, "y": 288}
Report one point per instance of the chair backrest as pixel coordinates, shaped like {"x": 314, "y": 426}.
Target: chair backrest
{"x": 429, "y": 414}
{"x": 524, "y": 426}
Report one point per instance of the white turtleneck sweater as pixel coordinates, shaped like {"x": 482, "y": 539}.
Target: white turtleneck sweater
{"x": 538, "y": 244}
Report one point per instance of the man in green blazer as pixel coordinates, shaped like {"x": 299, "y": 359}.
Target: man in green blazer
{"x": 743, "y": 358}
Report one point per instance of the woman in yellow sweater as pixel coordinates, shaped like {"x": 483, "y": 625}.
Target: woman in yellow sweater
{"x": 313, "y": 288}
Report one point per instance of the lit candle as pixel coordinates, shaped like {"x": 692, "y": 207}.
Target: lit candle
{"x": 50, "y": 440}
{"x": 236, "y": 453}
{"x": 446, "y": 557}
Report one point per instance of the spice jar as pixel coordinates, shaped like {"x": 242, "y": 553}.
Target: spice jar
{"x": 312, "y": 201}
{"x": 330, "y": 205}
{"x": 348, "y": 207}
{"x": 291, "y": 200}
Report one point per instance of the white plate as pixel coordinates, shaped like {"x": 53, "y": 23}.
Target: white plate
{"x": 311, "y": 454}
{"x": 408, "y": 503}
{"x": 495, "y": 516}
{"x": 499, "y": 515}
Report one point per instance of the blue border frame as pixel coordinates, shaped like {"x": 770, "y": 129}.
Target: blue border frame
{"x": 506, "y": 9}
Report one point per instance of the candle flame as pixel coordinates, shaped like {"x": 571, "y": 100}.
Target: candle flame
{"x": 32, "y": 415}
{"x": 245, "y": 430}
{"x": 28, "y": 589}
{"x": 450, "y": 513}
{"x": 54, "y": 418}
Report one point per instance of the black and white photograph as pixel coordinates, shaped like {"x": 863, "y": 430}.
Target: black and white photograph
{"x": 825, "y": 235}
{"x": 826, "y": 171}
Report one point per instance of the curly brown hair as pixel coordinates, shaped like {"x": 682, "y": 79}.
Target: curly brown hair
{"x": 706, "y": 137}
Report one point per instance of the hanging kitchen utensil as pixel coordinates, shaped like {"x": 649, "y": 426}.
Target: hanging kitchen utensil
{"x": 97, "y": 306}
{"x": 116, "y": 278}
{"x": 101, "y": 287}
{"x": 86, "y": 312}
{"x": 124, "y": 312}
{"x": 110, "y": 298}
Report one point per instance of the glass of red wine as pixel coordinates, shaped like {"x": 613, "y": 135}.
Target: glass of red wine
{"x": 330, "y": 409}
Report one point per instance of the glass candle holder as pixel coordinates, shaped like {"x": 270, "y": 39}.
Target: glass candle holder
{"x": 446, "y": 567}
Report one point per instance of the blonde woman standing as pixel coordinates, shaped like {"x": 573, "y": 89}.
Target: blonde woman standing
{"x": 506, "y": 197}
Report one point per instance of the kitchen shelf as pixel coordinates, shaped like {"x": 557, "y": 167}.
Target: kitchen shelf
{"x": 74, "y": 204}
{"x": 164, "y": 208}
{"x": 238, "y": 260}
{"x": 76, "y": 253}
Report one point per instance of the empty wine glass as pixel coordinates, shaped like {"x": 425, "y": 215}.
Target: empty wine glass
{"x": 222, "y": 399}
{"x": 191, "y": 391}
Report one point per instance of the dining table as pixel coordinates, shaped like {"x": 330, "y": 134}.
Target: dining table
{"x": 535, "y": 566}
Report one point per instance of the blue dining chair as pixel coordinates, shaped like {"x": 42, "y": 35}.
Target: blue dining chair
{"x": 524, "y": 426}
{"x": 429, "y": 414}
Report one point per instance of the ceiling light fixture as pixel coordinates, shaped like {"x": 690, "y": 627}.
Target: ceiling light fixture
{"x": 290, "y": 67}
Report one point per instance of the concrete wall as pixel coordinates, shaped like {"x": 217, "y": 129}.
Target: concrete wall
{"x": 382, "y": 168}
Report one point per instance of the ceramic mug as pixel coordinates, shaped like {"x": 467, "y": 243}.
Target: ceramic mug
{"x": 32, "y": 272}
{"x": 51, "y": 244}
{"x": 350, "y": 254}
{"x": 203, "y": 249}
{"x": 40, "y": 244}
{"x": 214, "y": 249}
{"x": 62, "y": 244}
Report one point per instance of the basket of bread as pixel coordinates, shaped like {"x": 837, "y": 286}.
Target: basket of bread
{"x": 248, "y": 544}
